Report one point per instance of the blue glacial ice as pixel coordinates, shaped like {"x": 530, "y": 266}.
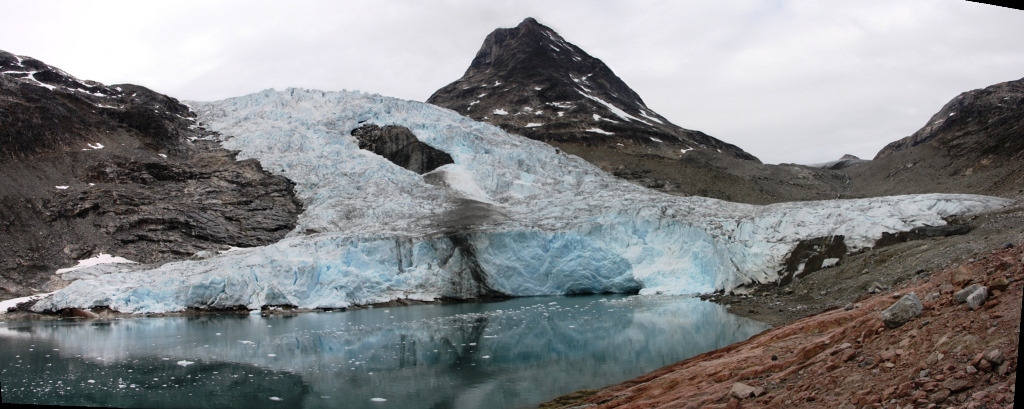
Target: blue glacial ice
{"x": 511, "y": 216}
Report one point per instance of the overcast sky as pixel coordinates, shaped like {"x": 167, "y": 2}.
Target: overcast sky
{"x": 788, "y": 81}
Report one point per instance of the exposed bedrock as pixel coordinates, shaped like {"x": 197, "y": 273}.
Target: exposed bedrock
{"x": 812, "y": 255}
{"x": 923, "y": 232}
{"x": 399, "y": 145}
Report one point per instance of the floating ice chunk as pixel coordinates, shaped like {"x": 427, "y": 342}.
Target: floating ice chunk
{"x": 185, "y": 363}
{"x": 378, "y": 400}
{"x": 102, "y": 258}
{"x": 276, "y": 399}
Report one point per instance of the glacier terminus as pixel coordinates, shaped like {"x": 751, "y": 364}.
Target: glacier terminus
{"x": 510, "y": 217}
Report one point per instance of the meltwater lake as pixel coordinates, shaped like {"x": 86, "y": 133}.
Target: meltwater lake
{"x": 514, "y": 353}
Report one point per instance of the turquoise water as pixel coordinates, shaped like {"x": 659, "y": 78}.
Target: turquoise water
{"x": 509, "y": 354}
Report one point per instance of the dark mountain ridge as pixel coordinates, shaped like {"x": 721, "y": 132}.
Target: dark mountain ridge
{"x": 974, "y": 144}
{"x": 87, "y": 169}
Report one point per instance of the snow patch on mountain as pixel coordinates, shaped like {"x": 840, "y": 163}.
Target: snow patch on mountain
{"x": 511, "y": 216}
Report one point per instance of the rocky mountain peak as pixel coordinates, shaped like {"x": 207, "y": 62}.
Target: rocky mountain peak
{"x": 531, "y": 81}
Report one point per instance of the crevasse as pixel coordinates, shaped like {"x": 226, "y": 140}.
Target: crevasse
{"x": 511, "y": 216}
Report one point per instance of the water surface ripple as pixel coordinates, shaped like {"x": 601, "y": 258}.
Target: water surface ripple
{"x": 508, "y": 354}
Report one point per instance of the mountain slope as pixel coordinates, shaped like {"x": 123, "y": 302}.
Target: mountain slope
{"x": 974, "y": 144}
{"x": 87, "y": 169}
{"x": 529, "y": 81}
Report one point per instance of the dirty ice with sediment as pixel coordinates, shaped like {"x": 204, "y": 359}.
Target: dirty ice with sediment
{"x": 511, "y": 216}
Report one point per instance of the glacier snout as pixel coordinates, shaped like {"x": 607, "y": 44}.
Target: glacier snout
{"x": 509, "y": 216}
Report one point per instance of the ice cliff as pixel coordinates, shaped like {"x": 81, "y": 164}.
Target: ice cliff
{"x": 510, "y": 216}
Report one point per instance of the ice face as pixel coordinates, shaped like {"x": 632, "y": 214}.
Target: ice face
{"x": 510, "y": 216}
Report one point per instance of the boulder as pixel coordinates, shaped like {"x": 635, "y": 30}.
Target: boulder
{"x": 902, "y": 311}
{"x": 998, "y": 284}
{"x": 961, "y": 296}
{"x": 741, "y": 390}
{"x": 977, "y": 298}
{"x": 963, "y": 275}
{"x": 994, "y": 356}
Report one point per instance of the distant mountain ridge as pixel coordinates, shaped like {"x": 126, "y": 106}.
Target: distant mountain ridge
{"x": 974, "y": 144}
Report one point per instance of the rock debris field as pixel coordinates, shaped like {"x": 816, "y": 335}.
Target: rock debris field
{"x": 950, "y": 355}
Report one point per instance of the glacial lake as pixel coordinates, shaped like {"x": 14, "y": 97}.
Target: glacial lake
{"x": 514, "y": 353}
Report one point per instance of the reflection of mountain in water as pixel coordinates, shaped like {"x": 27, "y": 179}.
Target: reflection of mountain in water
{"x": 520, "y": 351}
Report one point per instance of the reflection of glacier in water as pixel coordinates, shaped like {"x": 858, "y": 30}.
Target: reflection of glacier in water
{"x": 513, "y": 353}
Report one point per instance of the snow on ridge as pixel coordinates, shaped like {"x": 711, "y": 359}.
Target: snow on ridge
{"x": 534, "y": 221}
{"x": 615, "y": 110}
{"x": 645, "y": 115}
{"x": 600, "y": 131}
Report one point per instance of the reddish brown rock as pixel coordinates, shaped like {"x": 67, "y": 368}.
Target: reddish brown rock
{"x": 814, "y": 368}
{"x": 957, "y": 385}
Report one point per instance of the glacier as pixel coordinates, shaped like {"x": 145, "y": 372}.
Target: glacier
{"x": 511, "y": 216}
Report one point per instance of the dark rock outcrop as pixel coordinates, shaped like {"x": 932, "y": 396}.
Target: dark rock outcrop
{"x": 399, "y": 145}
{"x": 87, "y": 168}
{"x": 920, "y": 233}
{"x": 809, "y": 256}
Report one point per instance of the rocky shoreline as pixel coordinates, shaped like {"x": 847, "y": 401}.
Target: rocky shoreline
{"x": 846, "y": 357}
